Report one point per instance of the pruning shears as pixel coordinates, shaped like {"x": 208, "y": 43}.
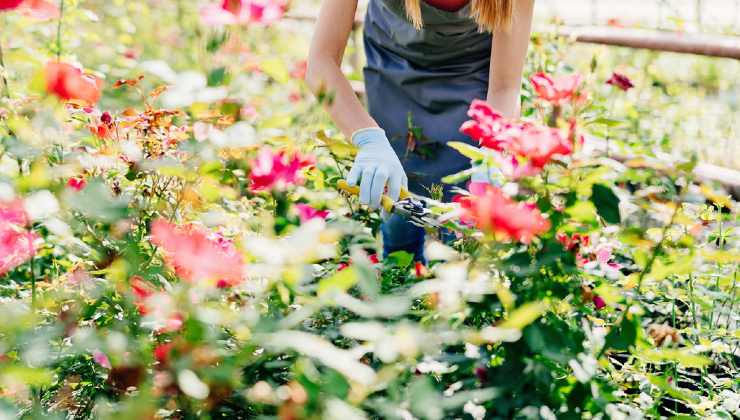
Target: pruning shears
{"x": 417, "y": 209}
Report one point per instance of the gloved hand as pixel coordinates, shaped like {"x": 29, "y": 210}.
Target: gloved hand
{"x": 484, "y": 173}
{"x": 375, "y": 165}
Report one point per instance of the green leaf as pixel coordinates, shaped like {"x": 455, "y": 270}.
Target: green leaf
{"x": 469, "y": 151}
{"x": 29, "y": 376}
{"x": 426, "y": 402}
{"x": 606, "y": 202}
{"x": 401, "y": 259}
{"x": 682, "y": 357}
{"x": 458, "y": 177}
{"x": 275, "y": 68}
{"x": 609, "y": 122}
{"x": 97, "y": 202}
{"x": 524, "y": 315}
{"x": 623, "y": 336}
{"x": 673, "y": 391}
{"x": 679, "y": 264}
{"x": 582, "y": 211}
{"x": 341, "y": 281}
{"x": 217, "y": 77}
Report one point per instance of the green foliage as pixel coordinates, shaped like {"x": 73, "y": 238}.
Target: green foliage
{"x": 626, "y": 305}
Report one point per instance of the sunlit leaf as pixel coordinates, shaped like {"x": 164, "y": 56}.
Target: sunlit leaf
{"x": 524, "y": 315}
{"x": 339, "y": 282}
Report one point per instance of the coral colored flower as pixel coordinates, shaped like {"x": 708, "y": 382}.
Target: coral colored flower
{"x": 103, "y": 127}
{"x": 420, "y": 269}
{"x": 518, "y": 149}
{"x": 236, "y": 12}
{"x": 488, "y": 126}
{"x": 621, "y": 81}
{"x": 277, "y": 170}
{"x": 69, "y": 82}
{"x": 162, "y": 353}
{"x": 540, "y": 144}
{"x": 306, "y": 212}
{"x": 573, "y": 243}
{"x": 299, "y": 70}
{"x": 198, "y": 255}
{"x": 9, "y": 4}
{"x": 141, "y": 290}
{"x": 556, "y": 90}
{"x": 40, "y": 9}
{"x": 493, "y": 211}
{"x": 77, "y": 183}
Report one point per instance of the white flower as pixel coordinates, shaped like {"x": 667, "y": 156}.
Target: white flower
{"x": 478, "y": 412}
{"x": 41, "y": 205}
{"x": 241, "y": 134}
{"x": 191, "y": 385}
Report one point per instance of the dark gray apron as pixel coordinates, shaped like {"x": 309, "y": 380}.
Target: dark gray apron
{"x": 427, "y": 77}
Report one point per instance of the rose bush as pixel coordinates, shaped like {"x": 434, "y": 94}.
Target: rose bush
{"x": 172, "y": 244}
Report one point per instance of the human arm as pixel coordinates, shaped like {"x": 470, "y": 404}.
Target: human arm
{"x": 376, "y": 163}
{"x": 508, "y": 55}
{"x": 324, "y": 74}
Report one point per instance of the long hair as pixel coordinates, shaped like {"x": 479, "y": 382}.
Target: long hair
{"x": 491, "y": 15}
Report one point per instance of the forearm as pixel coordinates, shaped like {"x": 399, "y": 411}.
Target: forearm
{"x": 506, "y": 101}
{"x": 507, "y": 60}
{"x": 326, "y": 79}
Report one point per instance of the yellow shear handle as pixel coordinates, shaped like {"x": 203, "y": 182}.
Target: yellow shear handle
{"x": 385, "y": 201}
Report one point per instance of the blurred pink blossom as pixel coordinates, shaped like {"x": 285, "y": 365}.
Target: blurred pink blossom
{"x": 100, "y": 358}
{"x": 236, "y": 12}
{"x": 198, "y": 255}
{"x": 16, "y": 243}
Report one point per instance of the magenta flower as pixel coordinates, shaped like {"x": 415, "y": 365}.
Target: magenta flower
{"x": 277, "y": 170}
{"x": 238, "y": 12}
{"x": 306, "y": 212}
{"x": 100, "y": 358}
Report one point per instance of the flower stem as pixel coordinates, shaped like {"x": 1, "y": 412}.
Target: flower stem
{"x": 59, "y": 30}
{"x": 658, "y": 247}
{"x": 6, "y": 86}
{"x": 33, "y": 283}
{"x": 3, "y": 69}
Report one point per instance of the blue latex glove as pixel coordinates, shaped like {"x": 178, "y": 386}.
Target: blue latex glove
{"x": 484, "y": 173}
{"x": 375, "y": 165}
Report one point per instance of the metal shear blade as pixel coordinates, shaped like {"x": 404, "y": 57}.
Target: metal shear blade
{"x": 417, "y": 212}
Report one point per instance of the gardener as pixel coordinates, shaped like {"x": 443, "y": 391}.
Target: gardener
{"x": 426, "y": 61}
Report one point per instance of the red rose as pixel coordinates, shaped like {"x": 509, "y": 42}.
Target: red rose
{"x": 621, "y": 81}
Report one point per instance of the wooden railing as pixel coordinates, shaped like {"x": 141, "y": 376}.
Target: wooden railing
{"x": 723, "y": 46}
{"x": 677, "y": 42}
